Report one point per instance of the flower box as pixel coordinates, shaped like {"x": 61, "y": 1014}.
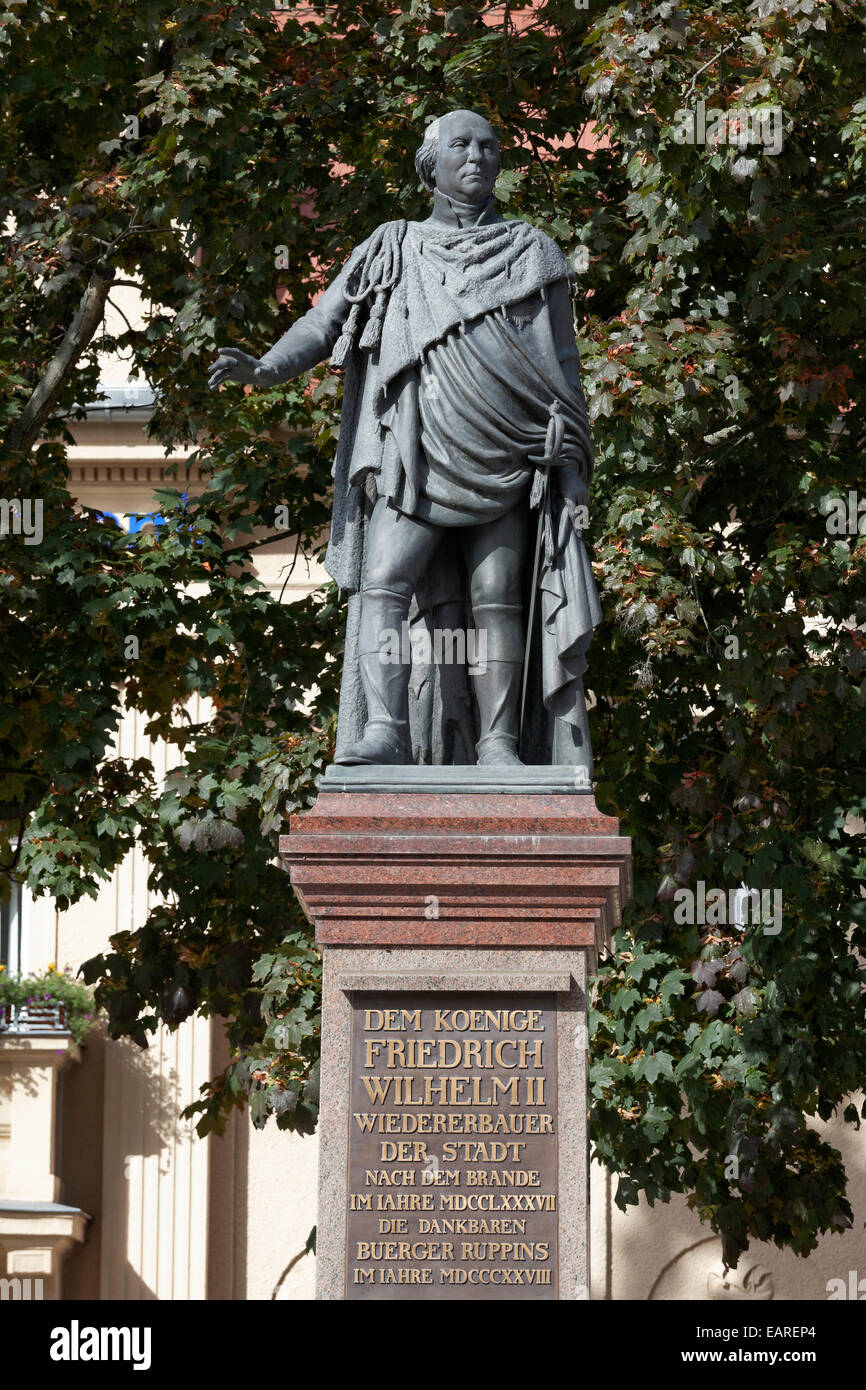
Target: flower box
{"x": 33, "y": 1018}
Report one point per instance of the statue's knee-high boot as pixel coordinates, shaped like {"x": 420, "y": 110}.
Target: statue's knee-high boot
{"x": 385, "y": 678}
{"x": 497, "y": 680}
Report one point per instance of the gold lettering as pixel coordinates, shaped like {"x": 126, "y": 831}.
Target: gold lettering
{"x": 404, "y": 1151}
{"x": 501, "y": 1088}
{"x": 376, "y": 1089}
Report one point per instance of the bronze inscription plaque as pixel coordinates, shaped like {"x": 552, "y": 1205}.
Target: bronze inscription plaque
{"x": 452, "y": 1147}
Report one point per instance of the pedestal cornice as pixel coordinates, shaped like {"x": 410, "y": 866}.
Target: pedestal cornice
{"x": 488, "y": 868}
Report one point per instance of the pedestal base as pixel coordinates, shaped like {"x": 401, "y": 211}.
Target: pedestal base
{"x": 458, "y": 927}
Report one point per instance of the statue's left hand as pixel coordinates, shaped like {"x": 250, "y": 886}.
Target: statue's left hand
{"x": 574, "y": 491}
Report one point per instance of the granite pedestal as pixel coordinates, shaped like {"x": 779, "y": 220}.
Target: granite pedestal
{"x": 459, "y": 912}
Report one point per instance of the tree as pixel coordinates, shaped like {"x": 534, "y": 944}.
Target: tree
{"x": 719, "y": 303}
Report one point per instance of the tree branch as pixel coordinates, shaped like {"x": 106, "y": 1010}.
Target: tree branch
{"x": 256, "y": 545}
{"x": 24, "y": 431}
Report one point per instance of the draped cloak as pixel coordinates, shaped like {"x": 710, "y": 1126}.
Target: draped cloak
{"x": 456, "y": 341}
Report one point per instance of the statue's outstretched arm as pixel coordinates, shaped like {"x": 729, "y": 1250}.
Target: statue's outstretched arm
{"x": 311, "y": 338}
{"x": 308, "y": 342}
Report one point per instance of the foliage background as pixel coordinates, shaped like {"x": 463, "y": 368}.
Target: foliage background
{"x": 720, "y": 322}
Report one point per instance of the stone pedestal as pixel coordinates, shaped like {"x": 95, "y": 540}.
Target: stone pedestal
{"x": 459, "y": 911}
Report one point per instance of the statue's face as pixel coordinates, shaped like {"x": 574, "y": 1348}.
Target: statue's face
{"x": 468, "y": 158}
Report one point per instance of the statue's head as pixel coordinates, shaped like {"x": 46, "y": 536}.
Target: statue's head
{"x": 459, "y": 156}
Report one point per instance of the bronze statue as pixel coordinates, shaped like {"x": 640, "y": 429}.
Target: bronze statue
{"x": 462, "y": 414}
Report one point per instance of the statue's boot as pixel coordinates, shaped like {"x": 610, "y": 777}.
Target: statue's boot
{"x": 385, "y": 678}
{"x": 497, "y": 681}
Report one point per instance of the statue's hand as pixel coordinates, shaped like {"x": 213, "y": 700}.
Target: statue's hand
{"x": 234, "y": 365}
{"x": 575, "y": 493}
{"x": 572, "y": 483}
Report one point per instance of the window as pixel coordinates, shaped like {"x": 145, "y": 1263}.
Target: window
{"x": 10, "y": 932}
